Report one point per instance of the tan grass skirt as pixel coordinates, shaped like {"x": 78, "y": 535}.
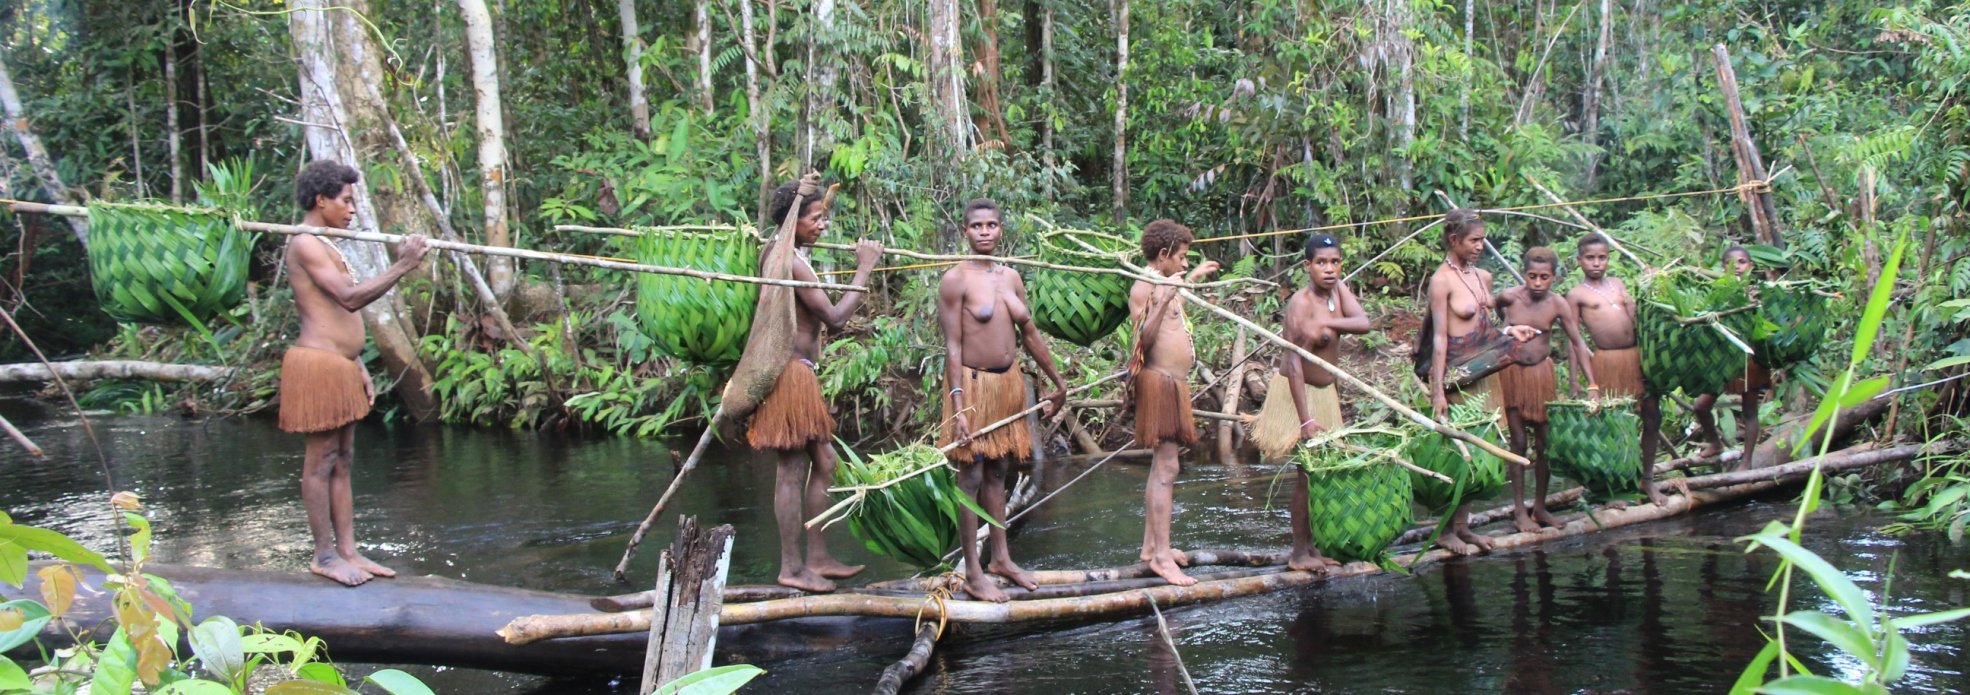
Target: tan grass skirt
{"x": 793, "y": 414}
{"x": 1162, "y": 409}
{"x": 321, "y": 390}
{"x": 989, "y": 397}
{"x": 1619, "y": 373}
{"x": 1528, "y": 389}
{"x": 1277, "y": 429}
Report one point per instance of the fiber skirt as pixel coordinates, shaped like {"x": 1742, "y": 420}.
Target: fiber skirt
{"x": 321, "y": 390}
{"x": 1162, "y": 409}
{"x": 1528, "y": 389}
{"x": 1277, "y": 429}
{"x": 794, "y": 414}
{"x": 1619, "y": 372}
{"x": 989, "y": 397}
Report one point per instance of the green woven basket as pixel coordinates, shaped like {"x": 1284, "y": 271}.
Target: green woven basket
{"x": 1696, "y": 358}
{"x": 1077, "y": 307}
{"x": 160, "y": 264}
{"x": 1481, "y": 474}
{"x": 1357, "y": 500}
{"x": 1795, "y": 324}
{"x": 915, "y": 521}
{"x": 702, "y": 321}
{"x": 1598, "y": 444}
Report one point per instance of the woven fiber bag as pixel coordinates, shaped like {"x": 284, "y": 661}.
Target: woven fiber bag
{"x": 1357, "y": 497}
{"x": 1795, "y": 323}
{"x": 1598, "y": 444}
{"x": 1480, "y": 474}
{"x": 1078, "y": 307}
{"x": 702, "y": 321}
{"x": 1696, "y": 358}
{"x": 915, "y": 521}
{"x": 161, "y": 264}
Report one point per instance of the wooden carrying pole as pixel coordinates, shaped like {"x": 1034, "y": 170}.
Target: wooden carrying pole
{"x": 565, "y": 258}
{"x": 690, "y": 587}
{"x": 1750, "y": 166}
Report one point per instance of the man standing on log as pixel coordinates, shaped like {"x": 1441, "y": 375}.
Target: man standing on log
{"x": 981, "y": 307}
{"x": 793, "y": 420}
{"x": 1607, "y": 313}
{"x": 323, "y": 389}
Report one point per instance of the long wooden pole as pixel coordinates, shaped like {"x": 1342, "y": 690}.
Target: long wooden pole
{"x": 1616, "y": 243}
{"x": 1750, "y": 165}
{"x": 33, "y": 449}
{"x": 569, "y": 259}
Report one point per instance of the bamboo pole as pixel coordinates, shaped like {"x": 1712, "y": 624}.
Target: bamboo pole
{"x": 529, "y": 254}
{"x": 33, "y": 449}
{"x": 1391, "y": 402}
{"x": 1616, "y": 243}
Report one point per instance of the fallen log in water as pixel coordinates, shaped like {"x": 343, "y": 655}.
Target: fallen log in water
{"x": 88, "y": 370}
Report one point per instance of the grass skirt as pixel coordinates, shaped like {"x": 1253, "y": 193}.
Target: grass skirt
{"x": 321, "y": 390}
{"x": 1619, "y": 373}
{"x": 1277, "y": 429}
{"x": 989, "y": 397}
{"x": 793, "y": 414}
{"x": 1162, "y": 409}
{"x": 1528, "y": 389}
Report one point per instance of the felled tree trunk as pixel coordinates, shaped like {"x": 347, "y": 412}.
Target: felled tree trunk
{"x": 492, "y": 138}
{"x": 113, "y": 369}
{"x": 37, "y": 154}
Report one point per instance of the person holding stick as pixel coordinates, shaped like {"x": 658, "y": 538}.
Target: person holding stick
{"x": 1750, "y": 386}
{"x": 324, "y": 390}
{"x": 982, "y": 310}
{"x": 1607, "y": 313}
{"x": 1165, "y": 355}
{"x": 1302, "y": 400}
{"x": 1528, "y": 385}
{"x": 793, "y": 420}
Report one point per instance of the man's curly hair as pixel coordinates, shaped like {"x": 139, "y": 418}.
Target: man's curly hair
{"x": 776, "y": 212}
{"x": 322, "y": 177}
{"x": 1163, "y": 236}
{"x": 1540, "y": 254}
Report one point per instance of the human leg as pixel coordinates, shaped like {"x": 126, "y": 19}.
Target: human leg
{"x": 1651, "y": 411}
{"x": 1521, "y": 519}
{"x": 977, "y": 582}
{"x": 822, "y": 475}
{"x": 323, "y": 457}
{"x": 1156, "y": 511}
{"x": 1707, "y": 420}
{"x": 788, "y": 483}
{"x": 1543, "y": 478}
{"x": 1305, "y": 556}
{"x": 992, "y": 491}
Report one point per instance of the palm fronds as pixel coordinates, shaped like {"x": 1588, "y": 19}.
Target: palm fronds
{"x": 689, "y": 318}
{"x": 160, "y": 264}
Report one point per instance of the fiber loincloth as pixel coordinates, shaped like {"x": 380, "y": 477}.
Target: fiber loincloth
{"x": 988, "y": 397}
{"x": 1754, "y": 379}
{"x": 1162, "y": 409}
{"x": 1277, "y": 429}
{"x": 793, "y": 413}
{"x": 1619, "y": 373}
{"x": 1528, "y": 389}
{"x": 321, "y": 390}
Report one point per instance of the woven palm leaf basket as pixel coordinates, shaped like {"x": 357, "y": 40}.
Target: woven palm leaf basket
{"x": 161, "y": 264}
{"x": 1597, "y": 444}
{"x": 1478, "y": 474}
{"x": 1078, "y": 307}
{"x": 1357, "y": 496}
{"x": 1795, "y": 323}
{"x": 702, "y": 321}
{"x": 914, "y": 522}
{"x": 1697, "y": 357}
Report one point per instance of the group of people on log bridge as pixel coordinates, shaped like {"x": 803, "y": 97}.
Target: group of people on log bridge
{"x": 1476, "y": 345}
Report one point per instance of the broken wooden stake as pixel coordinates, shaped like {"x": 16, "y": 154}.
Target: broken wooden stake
{"x": 689, "y": 594}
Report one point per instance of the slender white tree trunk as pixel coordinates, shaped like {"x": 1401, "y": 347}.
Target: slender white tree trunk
{"x": 1121, "y": 161}
{"x": 632, "y": 46}
{"x": 947, "y": 77}
{"x": 136, "y": 149}
{"x": 37, "y": 154}
{"x": 174, "y": 135}
{"x": 492, "y": 137}
{"x": 704, "y": 55}
{"x": 761, "y": 137}
{"x": 1590, "y": 120}
{"x": 820, "y": 82}
{"x": 1464, "y": 99}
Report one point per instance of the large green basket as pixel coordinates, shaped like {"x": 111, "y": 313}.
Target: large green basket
{"x": 1796, "y": 321}
{"x": 915, "y": 521}
{"x": 1078, "y": 307}
{"x": 703, "y": 321}
{"x": 1481, "y": 474}
{"x": 1598, "y": 444}
{"x": 1696, "y": 358}
{"x": 1357, "y": 499}
{"x": 160, "y": 264}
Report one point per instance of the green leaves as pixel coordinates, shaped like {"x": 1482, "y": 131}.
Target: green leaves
{"x": 715, "y": 681}
{"x": 914, "y": 521}
{"x": 1357, "y": 506}
{"x": 16, "y": 540}
{"x": 1598, "y": 446}
{"x": 702, "y": 321}
{"x": 20, "y": 621}
{"x": 1478, "y": 475}
{"x": 397, "y": 682}
{"x": 160, "y": 265}
{"x": 1077, "y": 307}
{"x": 217, "y": 644}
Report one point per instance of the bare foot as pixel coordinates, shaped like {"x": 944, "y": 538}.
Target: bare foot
{"x": 1710, "y": 451}
{"x": 1546, "y": 518}
{"x": 805, "y": 579}
{"x": 1614, "y": 504}
{"x": 1310, "y": 561}
{"x": 1005, "y": 568}
{"x": 1524, "y": 523}
{"x": 1169, "y": 571}
{"x": 368, "y": 565}
{"x": 1456, "y": 545}
{"x": 1474, "y": 538}
{"x": 1657, "y": 498}
{"x": 833, "y": 569}
{"x": 334, "y": 567}
{"x": 1180, "y": 558}
{"x": 982, "y": 588}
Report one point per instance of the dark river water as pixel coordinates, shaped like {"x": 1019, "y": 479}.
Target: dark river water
{"x": 1669, "y": 607}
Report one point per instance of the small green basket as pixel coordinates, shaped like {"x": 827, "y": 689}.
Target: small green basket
{"x": 160, "y": 264}
{"x": 1480, "y": 473}
{"x": 1357, "y": 498}
{"x": 1796, "y": 321}
{"x": 1079, "y": 307}
{"x": 1598, "y": 444}
{"x": 703, "y": 321}
{"x": 915, "y": 521}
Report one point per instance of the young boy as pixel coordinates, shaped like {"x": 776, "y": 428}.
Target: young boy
{"x": 1528, "y": 385}
{"x": 1302, "y": 400}
{"x": 1608, "y": 313}
{"x": 793, "y": 420}
{"x": 1163, "y": 419}
{"x": 1750, "y": 386}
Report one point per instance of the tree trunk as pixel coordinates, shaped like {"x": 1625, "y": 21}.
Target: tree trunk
{"x": 173, "y": 137}
{"x": 820, "y": 85}
{"x": 988, "y": 74}
{"x": 762, "y": 138}
{"x": 35, "y": 372}
{"x": 1590, "y": 118}
{"x": 492, "y": 138}
{"x": 1394, "y": 53}
{"x": 37, "y": 154}
{"x": 1750, "y": 165}
{"x": 946, "y": 71}
{"x": 338, "y": 62}
{"x": 1120, "y": 162}
{"x": 632, "y": 46}
{"x": 201, "y": 105}
{"x": 136, "y": 148}
{"x": 703, "y": 41}
{"x": 1464, "y": 98}
{"x": 1046, "y": 93}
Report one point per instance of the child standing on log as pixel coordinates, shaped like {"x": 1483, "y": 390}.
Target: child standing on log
{"x": 1525, "y": 387}
{"x": 981, "y": 307}
{"x": 324, "y": 390}
{"x": 1165, "y": 354}
{"x": 1750, "y": 386}
{"x": 1302, "y": 400}
{"x": 793, "y": 420}
{"x": 1607, "y": 312}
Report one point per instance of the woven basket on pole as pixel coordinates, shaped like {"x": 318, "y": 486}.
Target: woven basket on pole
{"x": 161, "y": 264}
{"x": 1696, "y": 358}
{"x": 1480, "y": 474}
{"x": 1357, "y": 497}
{"x": 1597, "y": 444}
{"x": 1795, "y": 324}
{"x": 703, "y": 321}
{"x": 1077, "y": 307}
